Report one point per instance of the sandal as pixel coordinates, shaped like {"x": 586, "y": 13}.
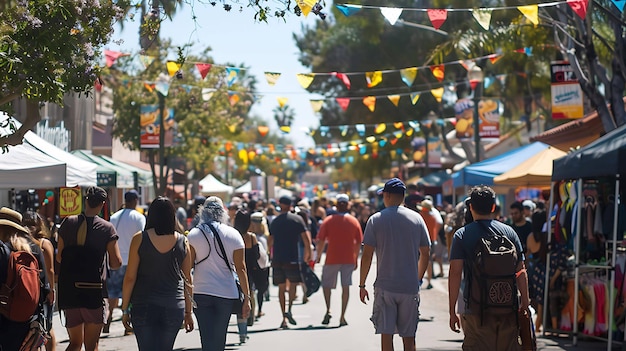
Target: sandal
{"x": 290, "y": 318}
{"x": 327, "y": 318}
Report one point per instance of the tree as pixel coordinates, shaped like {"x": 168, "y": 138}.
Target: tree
{"x": 49, "y": 48}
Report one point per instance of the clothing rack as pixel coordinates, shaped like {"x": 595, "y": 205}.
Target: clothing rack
{"x": 587, "y": 268}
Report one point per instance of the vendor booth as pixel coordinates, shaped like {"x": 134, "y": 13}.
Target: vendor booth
{"x": 589, "y": 219}
{"x": 209, "y": 185}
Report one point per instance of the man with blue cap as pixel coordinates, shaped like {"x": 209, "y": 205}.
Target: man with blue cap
{"x": 400, "y": 239}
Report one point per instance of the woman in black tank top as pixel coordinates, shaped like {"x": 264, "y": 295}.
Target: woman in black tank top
{"x": 157, "y": 290}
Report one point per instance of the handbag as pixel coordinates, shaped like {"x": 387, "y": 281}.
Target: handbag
{"x": 238, "y": 305}
{"x": 310, "y": 279}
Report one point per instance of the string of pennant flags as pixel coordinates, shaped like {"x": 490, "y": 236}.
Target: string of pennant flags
{"x": 482, "y": 15}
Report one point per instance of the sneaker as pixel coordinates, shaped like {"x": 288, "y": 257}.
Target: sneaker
{"x": 243, "y": 338}
{"x": 327, "y": 318}
{"x": 430, "y": 286}
{"x": 290, "y": 318}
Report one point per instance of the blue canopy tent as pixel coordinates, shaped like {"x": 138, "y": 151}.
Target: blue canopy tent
{"x": 483, "y": 172}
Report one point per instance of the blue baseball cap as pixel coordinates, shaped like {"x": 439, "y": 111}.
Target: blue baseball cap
{"x": 393, "y": 186}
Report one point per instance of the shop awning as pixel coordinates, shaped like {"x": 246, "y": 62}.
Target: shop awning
{"x": 144, "y": 178}
{"x": 605, "y": 157}
{"x": 484, "y": 171}
{"x": 109, "y": 175}
{"x": 535, "y": 171}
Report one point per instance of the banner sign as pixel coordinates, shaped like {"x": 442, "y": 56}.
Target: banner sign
{"x": 489, "y": 111}
{"x": 70, "y": 201}
{"x": 567, "y": 96}
{"x": 149, "y": 127}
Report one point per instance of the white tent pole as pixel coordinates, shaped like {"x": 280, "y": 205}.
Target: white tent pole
{"x": 546, "y": 276}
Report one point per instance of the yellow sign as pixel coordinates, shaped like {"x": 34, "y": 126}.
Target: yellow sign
{"x": 70, "y": 201}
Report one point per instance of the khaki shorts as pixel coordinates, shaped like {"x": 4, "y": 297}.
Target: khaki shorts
{"x": 395, "y": 313}
{"x": 330, "y": 272}
{"x": 497, "y": 332}
{"x": 77, "y": 316}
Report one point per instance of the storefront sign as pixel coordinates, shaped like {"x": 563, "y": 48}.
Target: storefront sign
{"x": 567, "y": 96}
{"x": 70, "y": 201}
{"x": 149, "y": 124}
{"x": 106, "y": 179}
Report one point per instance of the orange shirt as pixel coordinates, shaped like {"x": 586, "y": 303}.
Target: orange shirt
{"x": 343, "y": 233}
{"x": 431, "y": 224}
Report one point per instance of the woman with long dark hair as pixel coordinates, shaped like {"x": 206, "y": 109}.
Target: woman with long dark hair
{"x": 157, "y": 290}
{"x": 216, "y": 248}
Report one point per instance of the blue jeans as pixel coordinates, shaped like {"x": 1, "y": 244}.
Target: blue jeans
{"x": 213, "y": 314}
{"x": 156, "y": 327}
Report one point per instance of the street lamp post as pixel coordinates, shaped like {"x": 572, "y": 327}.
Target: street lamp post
{"x": 475, "y": 76}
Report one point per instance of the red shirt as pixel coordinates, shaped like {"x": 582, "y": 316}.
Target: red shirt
{"x": 343, "y": 233}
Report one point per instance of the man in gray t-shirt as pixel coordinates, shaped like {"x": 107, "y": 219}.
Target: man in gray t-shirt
{"x": 400, "y": 239}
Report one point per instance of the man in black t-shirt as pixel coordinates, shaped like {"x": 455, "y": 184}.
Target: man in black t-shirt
{"x": 413, "y": 198}
{"x": 285, "y": 232}
{"x": 522, "y": 227}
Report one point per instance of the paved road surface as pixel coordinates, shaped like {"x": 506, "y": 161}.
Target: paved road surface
{"x": 309, "y": 335}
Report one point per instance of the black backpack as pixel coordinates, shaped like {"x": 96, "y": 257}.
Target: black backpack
{"x": 492, "y": 286}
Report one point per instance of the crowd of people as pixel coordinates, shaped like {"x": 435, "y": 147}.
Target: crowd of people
{"x": 216, "y": 259}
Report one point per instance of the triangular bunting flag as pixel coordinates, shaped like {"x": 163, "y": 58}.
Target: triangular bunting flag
{"x": 231, "y": 75}
{"x": 531, "y": 12}
{"x": 360, "y": 128}
{"x": 398, "y": 125}
{"x": 494, "y": 58}
{"x": 408, "y": 75}
{"x": 203, "y": 69}
{"x": 483, "y": 17}
{"x": 348, "y": 10}
{"x": 149, "y": 86}
{"x": 324, "y": 130}
{"x": 272, "y": 77}
{"x": 437, "y": 17}
{"x": 317, "y": 105}
{"x": 285, "y": 129}
{"x": 370, "y": 139}
{"x": 528, "y": 51}
{"x": 187, "y": 87}
{"x": 207, "y": 93}
{"x": 306, "y": 6}
{"x": 305, "y": 79}
{"x": 112, "y": 56}
{"x": 233, "y": 98}
{"x": 370, "y": 102}
{"x": 438, "y": 71}
{"x": 373, "y": 78}
{"x": 579, "y": 7}
{"x": 232, "y": 128}
{"x": 146, "y": 60}
{"x": 162, "y": 85}
{"x": 263, "y": 130}
{"x": 344, "y": 130}
{"x": 173, "y": 67}
{"x": 282, "y": 101}
{"x": 488, "y": 81}
{"x": 467, "y": 64}
{"x": 394, "y": 99}
{"x": 415, "y": 97}
{"x": 343, "y": 103}
{"x": 342, "y": 77}
{"x": 437, "y": 93}
{"x": 380, "y": 128}
{"x": 391, "y": 14}
{"x": 620, "y": 4}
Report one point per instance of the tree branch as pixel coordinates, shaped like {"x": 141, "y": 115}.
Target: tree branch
{"x": 32, "y": 117}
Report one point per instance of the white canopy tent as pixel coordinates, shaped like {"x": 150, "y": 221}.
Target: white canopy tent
{"x": 37, "y": 164}
{"x": 209, "y": 185}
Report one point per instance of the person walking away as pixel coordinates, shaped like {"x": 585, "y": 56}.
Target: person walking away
{"x": 127, "y": 222}
{"x": 285, "y": 232}
{"x": 215, "y": 288}
{"x": 157, "y": 290}
{"x": 522, "y": 227}
{"x": 85, "y": 242}
{"x": 181, "y": 213}
{"x": 490, "y": 317}
{"x": 341, "y": 233}
{"x": 41, "y": 236}
{"x": 18, "y": 247}
{"x": 400, "y": 239}
{"x": 433, "y": 221}
{"x": 256, "y": 276}
{"x": 261, "y": 282}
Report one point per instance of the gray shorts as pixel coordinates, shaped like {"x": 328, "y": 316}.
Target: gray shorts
{"x": 77, "y": 316}
{"x": 330, "y": 271}
{"x": 395, "y": 313}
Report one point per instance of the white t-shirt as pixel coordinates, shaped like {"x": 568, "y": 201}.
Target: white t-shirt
{"x": 127, "y": 223}
{"x": 212, "y": 276}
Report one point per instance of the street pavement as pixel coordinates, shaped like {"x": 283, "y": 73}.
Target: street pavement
{"x": 310, "y": 335}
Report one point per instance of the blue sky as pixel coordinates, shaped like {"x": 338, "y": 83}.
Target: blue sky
{"x": 235, "y": 37}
